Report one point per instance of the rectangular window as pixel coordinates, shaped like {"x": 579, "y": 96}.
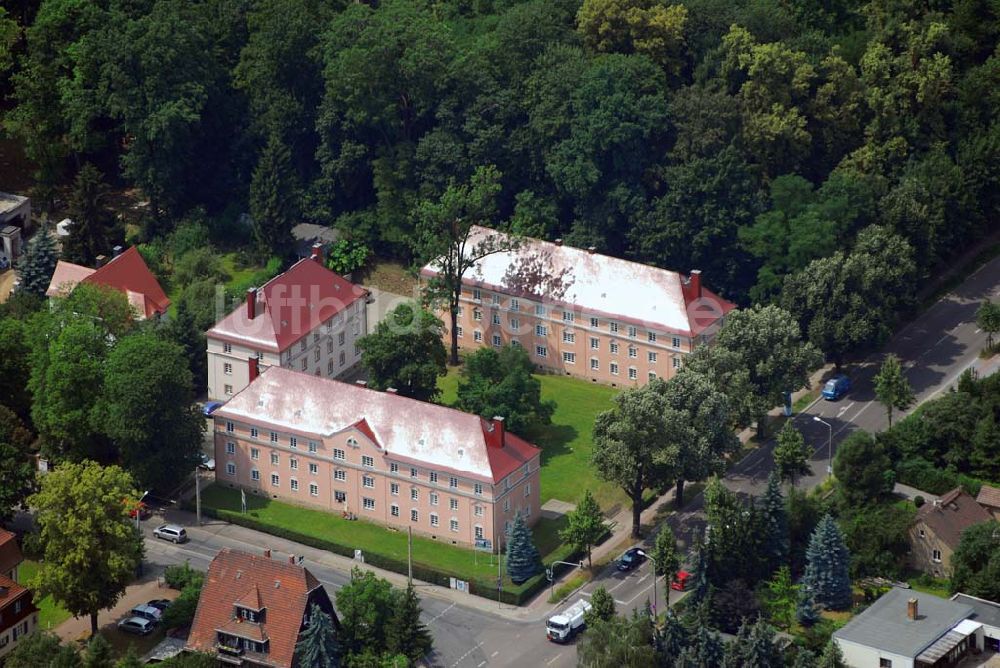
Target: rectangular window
{"x": 329, "y": 347}
{"x": 342, "y": 359}
{"x": 651, "y": 357}
{"x": 496, "y": 298}
{"x": 454, "y": 525}
{"x": 338, "y": 454}
{"x": 368, "y": 481}
{"x": 477, "y": 488}
{"x": 477, "y": 336}
{"x": 652, "y": 375}
{"x": 293, "y": 442}
{"x": 595, "y": 323}
{"x": 613, "y": 327}
{"x": 676, "y": 362}
{"x": 227, "y": 347}
{"x": 274, "y": 459}
{"x": 459, "y": 331}
{"x": 394, "y": 510}
{"x": 515, "y": 324}
{"x": 231, "y": 468}
{"x": 293, "y": 464}
{"x": 253, "y": 432}
{"x": 227, "y": 369}
{"x": 434, "y": 519}
{"x": 514, "y": 343}
{"x": 479, "y": 511}
{"x": 367, "y": 461}
{"x": 453, "y": 504}
{"x": 340, "y": 338}
{"x": 477, "y": 315}
{"x": 255, "y": 475}
{"x": 413, "y": 472}
{"x": 675, "y": 342}
{"x": 414, "y": 515}
{"x": 230, "y": 427}
{"x": 632, "y": 332}
{"x": 936, "y": 556}
{"x": 228, "y": 389}
{"x": 632, "y": 373}
{"x": 275, "y": 481}
{"x": 527, "y": 489}
{"x": 539, "y": 310}
{"x": 315, "y": 354}
{"x": 254, "y": 454}
{"x": 633, "y": 352}
{"x": 453, "y": 483}
{"x": 305, "y": 364}
{"x": 394, "y": 489}
{"x": 614, "y": 368}
{"x": 329, "y": 368}
{"x": 595, "y": 343}
{"x": 393, "y": 467}
{"x": 340, "y": 475}
{"x": 506, "y": 505}
{"x": 595, "y": 364}
{"x": 541, "y": 351}
{"x": 569, "y": 358}
{"x": 479, "y": 532}
{"x": 496, "y": 319}
{"x": 541, "y": 330}
{"x": 369, "y": 504}
{"x": 230, "y": 448}
{"x": 569, "y": 337}
{"x": 432, "y": 476}
{"x": 568, "y": 316}
{"x": 341, "y": 497}
{"x": 884, "y": 663}
{"x": 315, "y": 337}
{"x": 613, "y": 347}
{"x": 294, "y": 484}
{"x": 414, "y": 494}
{"x": 313, "y": 489}
{"x": 652, "y": 337}
{"x": 313, "y": 468}
{"x": 515, "y": 305}
{"x": 496, "y": 341}
{"x": 313, "y": 446}
{"x": 274, "y": 437}
{"x": 302, "y": 344}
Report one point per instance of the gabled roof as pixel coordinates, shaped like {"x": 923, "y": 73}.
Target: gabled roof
{"x": 11, "y": 591}
{"x": 989, "y": 496}
{"x": 597, "y": 284}
{"x": 288, "y": 307}
{"x": 10, "y": 552}
{"x": 948, "y": 517}
{"x": 283, "y": 589}
{"x": 408, "y": 430}
{"x": 126, "y": 273}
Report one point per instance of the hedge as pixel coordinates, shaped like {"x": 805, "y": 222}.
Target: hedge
{"x": 926, "y": 477}
{"x": 485, "y": 587}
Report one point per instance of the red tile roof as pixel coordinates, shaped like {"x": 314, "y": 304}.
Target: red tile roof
{"x": 283, "y": 590}
{"x": 126, "y": 273}
{"x": 955, "y": 512}
{"x": 10, "y": 552}
{"x": 289, "y": 306}
{"x": 989, "y": 496}
{"x": 10, "y": 591}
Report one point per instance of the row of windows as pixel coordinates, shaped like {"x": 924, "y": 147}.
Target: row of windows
{"x": 568, "y": 337}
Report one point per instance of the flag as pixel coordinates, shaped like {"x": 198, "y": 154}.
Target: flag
{"x": 243, "y": 500}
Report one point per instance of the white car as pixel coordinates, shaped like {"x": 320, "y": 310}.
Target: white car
{"x": 207, "y": 463}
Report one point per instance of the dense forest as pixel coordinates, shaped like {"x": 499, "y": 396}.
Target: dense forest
{"x": 826, "y": 155}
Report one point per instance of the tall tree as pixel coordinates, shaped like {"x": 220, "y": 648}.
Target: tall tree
{"x": 636, "y": 26}
{"x": 17, "y": 471}
{"x": 735, "y": 545}
{"x": 183, "y": 331}
{"x": 444, "y": 235}
{"x": 147, "y": 409}
{"x": 92, "y": 219}
{"x": 706, "y": 650}
{"x": 665, "y": 558}
{"x": 274, "y": 200}
{"x": 366, "y": 606}
{"x": 775, "y": 523}
{"x": 976, "y": 562}
{"x": 754, "y": 646}
{"x": 863, "y": 469}
{"x": 791, "y": 454}
{"x": 629, "y": 445}
{"x": 781, "y": 598}
{"x": 988, "y": 320}
{"x": 15, "y": 366}
{"x": 86, "y": 571}
{"x": 405, "y": 352}
{"x": 624, "y": 642}
{"x": 98, "y": 654}
{"x": 317, "y": 645}
{"x": 407, "y": 634}
{"x": 892, "y": 388}
{"x": 602, "y": 607}
{"x": 499, "y": 382}
{"x": 523, "y": 560}
{"x": 36, "y": 266}
{"x": 585, "y": 525}
{"x": 827, "y": 578}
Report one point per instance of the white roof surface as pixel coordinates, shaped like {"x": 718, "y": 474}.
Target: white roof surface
{"x": 590, "y": 281}
{"x": 434, "y": 434}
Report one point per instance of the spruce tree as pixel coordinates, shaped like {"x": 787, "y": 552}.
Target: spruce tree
{"x": 36, "y": 266}
{"x": 754, "y": 647}
{"x": 699, "y": 572}
{"x": 602, "y": 607}
{"x": 827, "y": 574}
{"x": 407, "y": 635}
{"x": 523, "y": 560}
{"x": 98, "y": 654}
{"x": 805, "y": 610}
{"x": 317, "y": 645}
{"x": 274, "y": 200}
{"x": 775, "y": 524}
{"x": 92, "y": 220}
{"x": 705, "y": 651}
{"x": 671, "y": 636}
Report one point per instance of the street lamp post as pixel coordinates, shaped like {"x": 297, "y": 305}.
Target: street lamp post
{"x": 643, "y": 553}
{"x": 138, "y": 510}
{"x": 829, "y": 444}
{"x": 550, "y": 574}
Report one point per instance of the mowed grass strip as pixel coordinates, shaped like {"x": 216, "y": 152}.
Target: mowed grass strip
{"x": 566, "y": 443}
{"x": 50, "y": 613}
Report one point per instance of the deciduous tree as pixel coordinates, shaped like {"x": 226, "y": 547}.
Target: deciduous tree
{"x": 499, "y": 382}
{"x": 988, "y": 320}
{"x": 405, "y": 352}
{"x": 791, "y": 454}
{"x": 366, "y": 607}
{"x": 666, "y": 561}
{"x": 976, "y": 562}
{"x": 15, "y": 366}
{"x": 585, "y": 525}
{"x": 17, "y": 471}
{"x": 863, "y": 469}
{"x": 602, "y": 607}
{"x": 621, "y": 641}
{"x": 892, "y": 388}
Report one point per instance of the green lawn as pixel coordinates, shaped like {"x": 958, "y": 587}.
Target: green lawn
{"x": 566, "y": 443}
{"x": 50, "y": 614}
{"x": 377, "y": 539}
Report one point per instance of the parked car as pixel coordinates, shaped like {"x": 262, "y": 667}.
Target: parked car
{"x": 207, "y": 463}
{"x": 171, "y": 532}
{"x": 632, "y": 558}
{"x": 137, "y": 625}
{"x": 160, "y": 604}
{"x": 146, "y": 612}
{"x": 210, "y": 407}
{"x": 680, "y": 581}
{"x": 836, "y": 387}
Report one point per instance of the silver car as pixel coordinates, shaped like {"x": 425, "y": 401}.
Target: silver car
{"x": 171, "y": 532}
{"x": 136, "y": 625}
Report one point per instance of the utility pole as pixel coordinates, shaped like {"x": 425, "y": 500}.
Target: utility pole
{"x": 197, "y": 497}
{"x": 409, "y": 556}
{"x": 499, "y": 576}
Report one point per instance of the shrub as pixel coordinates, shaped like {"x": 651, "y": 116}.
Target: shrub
{"x": 346, "y": 256}
{"x": 181, "y": 611}
{"x": 179, "y": 577}
{"x": 918, "y": 501}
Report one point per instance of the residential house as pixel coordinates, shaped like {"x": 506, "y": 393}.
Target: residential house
{"x": 18, "y": 614}
{"x": 989, "y": 499}
{"x": 378, "y": 456}
{"x": 253, "y": 608}
{"x": 125, "y": 272}
{"x": 307, "y": 318}
{"x": 910, "y": 629}
{"x": 582, "y": 313}
{"x": 937, "y": 530}
{"x": 986, "y": 613}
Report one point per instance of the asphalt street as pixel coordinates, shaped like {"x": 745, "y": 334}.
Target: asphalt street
{"x": 935, "y": 348}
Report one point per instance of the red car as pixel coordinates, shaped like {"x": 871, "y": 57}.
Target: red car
{"x": 680, "y": 581}
{"x": 142, "y": 509}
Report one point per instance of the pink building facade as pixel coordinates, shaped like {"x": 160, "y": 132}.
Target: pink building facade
{"x": 381, "y": 457}
{"x": 584, "y": 314}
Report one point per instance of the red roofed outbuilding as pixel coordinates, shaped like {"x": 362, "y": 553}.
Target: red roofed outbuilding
{"x": 126, "y": 272}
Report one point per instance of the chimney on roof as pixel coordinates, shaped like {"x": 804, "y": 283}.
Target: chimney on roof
{"x": 911, "y": 609}
{"x": 291, "y": 559}
{"x": 254, "y": 365}
{"x": 694, "y": 280}
{"x": 558, "y": 242}
{"x": 101, "y": 260}
{"x": 361, "y": 383}
{"x": 591, "y": 249}
{"x": 116, "y": 251}
{"x": 267, "y": 553}
{"x": 392, "y": 390}
{"x": 317, "y": 252}
{"x": 498, "y": 426}
{"x": 251, "y": 303}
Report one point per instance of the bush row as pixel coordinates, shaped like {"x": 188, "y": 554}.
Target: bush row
{"x": 926, "y": 477}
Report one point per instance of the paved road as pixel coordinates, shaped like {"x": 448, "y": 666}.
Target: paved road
{"x": 936, "y": 348}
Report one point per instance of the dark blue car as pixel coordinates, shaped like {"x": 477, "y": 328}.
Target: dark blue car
{"x": 836, "y": 387}
{"x": 211, "y": 407}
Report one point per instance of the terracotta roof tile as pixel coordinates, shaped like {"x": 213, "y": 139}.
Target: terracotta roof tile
{"x": 126, "y": 273}
{"x": 989, "y": 496}
{"x": 10, "y": 591}
{"x": 954, "y": 513}
{"x": 10, "y": 552}
{"x": 283, "y": 590}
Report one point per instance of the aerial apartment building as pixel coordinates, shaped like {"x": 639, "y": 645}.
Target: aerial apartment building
{"x": 377, "y": 456}
{"x": 582, "y": 313}
{"x": 307, "y": 319}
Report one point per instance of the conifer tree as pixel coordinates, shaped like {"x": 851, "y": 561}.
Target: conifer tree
{"x": 699, "y": 572}
{"x": 523, "y": 560}
{"x": 754, "y": 647}
{"x": 775, "y": 524}
{"x": 183, "y": 331}
{"x": 602, "y": 607}
{"x": 92, "y": 220}
{"x": 705, "y": 651}
{"x": 831, "y": 657}
{"x": 671, "y": 636}
{"x": 274, "y": 200}
{"x": 827, "y": 574}
{"x": 407, "y": 635}
{"x": 36, "y": 266}
{"x": 317, "y": 645}
{"x": 98, "y": 653}
{"x": 805, "y": 609}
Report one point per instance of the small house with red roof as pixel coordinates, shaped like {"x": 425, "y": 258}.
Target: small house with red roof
{"x": 582, "y": 313}
{"x": 307, "y": 319}
{"x": 125, "y": 272}
{"x": 377, "y": 456}
{"x": 253, "y": 608}
{"x": 18, "y": 614}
